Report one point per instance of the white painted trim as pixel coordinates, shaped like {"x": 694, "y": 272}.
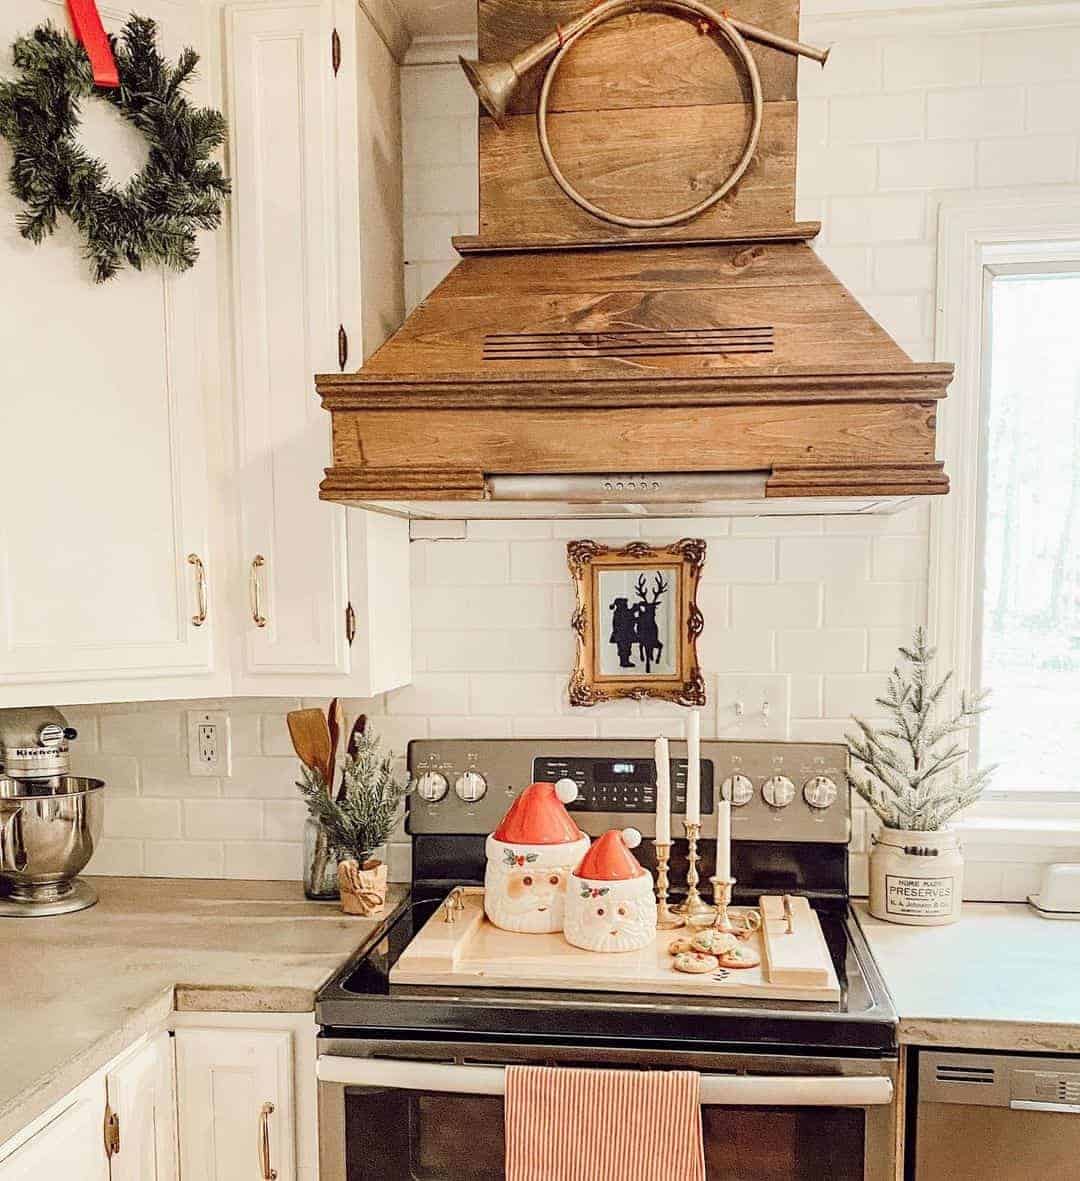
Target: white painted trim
{"x": 390, "y": 25}
{"x": 859, "y": 18}
{"x": 974, "y": 234}
{"x": 439, "y": 51}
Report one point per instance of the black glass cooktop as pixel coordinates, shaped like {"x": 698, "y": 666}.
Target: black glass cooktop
{"x": 360, "y": 1001}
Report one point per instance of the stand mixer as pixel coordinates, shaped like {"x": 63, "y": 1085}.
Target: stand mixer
{"x": 50, "y": 820}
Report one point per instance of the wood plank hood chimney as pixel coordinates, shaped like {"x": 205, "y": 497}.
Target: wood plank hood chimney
{"x": 570, "y": 366}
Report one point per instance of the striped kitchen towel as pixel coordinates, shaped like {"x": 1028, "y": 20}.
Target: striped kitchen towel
{"x": 564, "y": 1124}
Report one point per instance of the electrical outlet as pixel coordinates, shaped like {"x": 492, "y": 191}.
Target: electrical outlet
{"x": 753, "y": 707}
{"x": 209, "y": 746}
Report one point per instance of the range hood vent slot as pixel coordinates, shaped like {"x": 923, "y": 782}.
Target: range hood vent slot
{"x": 645, "y": 342}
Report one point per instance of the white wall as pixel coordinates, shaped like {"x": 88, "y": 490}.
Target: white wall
{"x": 910, "y": 109}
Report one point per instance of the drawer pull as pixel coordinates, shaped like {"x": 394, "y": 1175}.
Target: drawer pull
{"x": 268, "y": 1173}
{"x": 257, "y": 617}
{"x": 199, "y": 618}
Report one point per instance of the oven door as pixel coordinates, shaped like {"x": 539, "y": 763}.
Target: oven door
{"x": 434, "y": 1111}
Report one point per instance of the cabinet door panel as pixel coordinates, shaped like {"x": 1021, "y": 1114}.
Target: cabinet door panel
{"x": 285, "y": 298}
{"x": 71, "y": 1147}
{"x": 225, "y": 1079}
{"x": 104, "y": 481}
{"x": 142, "y": 1096}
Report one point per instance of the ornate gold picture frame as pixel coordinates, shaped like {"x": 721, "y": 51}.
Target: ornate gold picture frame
{"x": 637, "y": 621}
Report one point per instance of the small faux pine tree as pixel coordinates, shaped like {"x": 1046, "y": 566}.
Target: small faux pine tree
{"x": 908, "y": 772}
{"x": 362, "y": 814}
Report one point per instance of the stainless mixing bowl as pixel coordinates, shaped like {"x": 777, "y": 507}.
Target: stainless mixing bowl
{"x": 49, "y": 829}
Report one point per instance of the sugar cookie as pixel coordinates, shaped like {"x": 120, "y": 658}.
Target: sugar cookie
{"x": 695, "y": 962}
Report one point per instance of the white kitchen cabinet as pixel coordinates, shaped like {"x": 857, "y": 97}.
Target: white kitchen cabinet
{"x": 66, "y": 1143}
{"x": 327, "y": 608}
{"x": 163, "y": 439}
{"x": 104, "y": 482}
{"x": 142, "y": 1098}
{"x": 235, "y": 1104}
{"x": 118, "y": 1125}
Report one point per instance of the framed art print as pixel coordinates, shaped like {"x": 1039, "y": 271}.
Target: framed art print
{"x": 637, "y": 621}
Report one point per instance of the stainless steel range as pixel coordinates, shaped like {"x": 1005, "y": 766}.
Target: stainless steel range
{"x": 411, "y": 1076}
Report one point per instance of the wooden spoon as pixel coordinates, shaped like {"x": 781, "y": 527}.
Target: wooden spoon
{"x": 335, "y": 721}
{"x": 311, "y": 740}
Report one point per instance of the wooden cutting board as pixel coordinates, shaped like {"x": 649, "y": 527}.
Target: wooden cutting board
{"x": 471, "y": 951}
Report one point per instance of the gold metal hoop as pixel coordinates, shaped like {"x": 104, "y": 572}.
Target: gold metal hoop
{"x": 609, "y": 11}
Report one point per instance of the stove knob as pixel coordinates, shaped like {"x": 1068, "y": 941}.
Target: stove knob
{"x": 778, "y": 791}
{"x": 738, "y": 789}
{"x": 432, "y": 786}
{"x": 819, "y": 792}
{"x": 472, "y": 786}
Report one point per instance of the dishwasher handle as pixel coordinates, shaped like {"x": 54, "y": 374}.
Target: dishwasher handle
{"x": 716, "y": 1089}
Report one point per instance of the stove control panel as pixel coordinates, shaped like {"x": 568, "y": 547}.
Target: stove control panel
{"x": 779, "y": 791}
{"x": 625, "y": 784}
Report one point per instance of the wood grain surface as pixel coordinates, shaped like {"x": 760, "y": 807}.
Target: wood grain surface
{"x": 645, "y": 162}
{"x": 639, "y": 60}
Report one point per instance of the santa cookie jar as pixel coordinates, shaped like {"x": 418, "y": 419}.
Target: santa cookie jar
{"x": 610, "y": 905}
{"x": 529, "y": 858}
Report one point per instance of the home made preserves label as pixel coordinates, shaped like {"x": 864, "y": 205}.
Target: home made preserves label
{"x": 924, "y": 896}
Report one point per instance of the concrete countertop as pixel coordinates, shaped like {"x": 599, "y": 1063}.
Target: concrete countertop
{"x": 1001, "y": 978}
{"x": 78, "y": 989}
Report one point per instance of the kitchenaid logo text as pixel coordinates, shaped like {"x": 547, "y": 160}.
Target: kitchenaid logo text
{"x": 927, "y": 896}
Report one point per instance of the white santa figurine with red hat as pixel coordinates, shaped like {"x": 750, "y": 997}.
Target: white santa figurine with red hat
{"x": 610, "y": 905}
{"x": 529, "y": 859}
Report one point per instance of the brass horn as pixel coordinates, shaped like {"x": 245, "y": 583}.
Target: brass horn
{"x": 495, "y": 83}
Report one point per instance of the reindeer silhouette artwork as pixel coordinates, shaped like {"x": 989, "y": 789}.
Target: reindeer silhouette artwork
{"x": 646, "y": 632}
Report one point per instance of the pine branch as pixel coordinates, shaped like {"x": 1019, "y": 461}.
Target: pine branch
{"x": 904, "y": 772}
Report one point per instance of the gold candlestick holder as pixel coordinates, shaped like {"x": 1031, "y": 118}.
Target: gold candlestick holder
{"x": 666, "y": 918}
{"x": 722, "y": 891}
{"x": 695, "y": 906}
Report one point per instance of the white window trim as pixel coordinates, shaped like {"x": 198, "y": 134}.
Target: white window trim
{"x": 976, "y": 238}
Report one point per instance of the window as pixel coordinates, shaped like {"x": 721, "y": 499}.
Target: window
{"x": 1028, "y": 636}
{"x": 1004, "y": 606}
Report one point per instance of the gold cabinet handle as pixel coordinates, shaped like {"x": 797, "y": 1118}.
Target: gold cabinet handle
{"x": 257, "y": 617}
{"x": 268, "y": 1174}
{"x": 199, "y": 618}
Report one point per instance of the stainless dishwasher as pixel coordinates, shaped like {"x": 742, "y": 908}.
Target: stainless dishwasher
{"x": 996, "y": 1116}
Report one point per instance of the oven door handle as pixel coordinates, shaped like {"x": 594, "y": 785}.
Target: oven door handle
{"x": 716, "y": 1089}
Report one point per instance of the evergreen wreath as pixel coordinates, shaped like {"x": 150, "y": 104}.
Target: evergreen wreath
{"x": 154, "y": 217}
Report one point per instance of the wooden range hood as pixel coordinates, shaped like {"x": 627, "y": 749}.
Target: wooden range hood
{"x": 565, "y": 346}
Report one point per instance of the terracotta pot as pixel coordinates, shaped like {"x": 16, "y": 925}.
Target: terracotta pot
{"x": 362, "y": 887}
{"x": 916, "y": 878}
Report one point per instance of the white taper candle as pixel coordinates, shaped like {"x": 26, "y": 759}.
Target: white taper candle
{"x": 693, "y": 768}
{"x": 663, "y": 793}
{"x": 723, "y": 839}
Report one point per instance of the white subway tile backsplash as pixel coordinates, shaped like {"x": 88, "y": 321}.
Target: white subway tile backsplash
{"x": 461, "y": 563}
{"x": 263, "y": 778}
{"x": 876, "y": 118}
{"x": 116, "y": 857}
{"x": 221, "y": 820}
{"x": 120, "y": 772}
{"x": 167, "y": 775}
{"x": 931, "y": 61}
{"x": 283, "y": 820}
{"x": 264, "y": 860}
{"x": 431, "y": 693}
{"x": 822, "y": 650}
{"x": 829, "y": 559}
{"x": 140, "y": 819}
{"x": 900, "y": 559}
{"x": 1039, "y": 159}
{"x": 975, "y": 114}
{"x": 184, "y": 859}
{"x": 936, "y": 164}
{"x": 149, "y": 732}
{"x": 535, "y": 694}
{"x": 785, "y": 604}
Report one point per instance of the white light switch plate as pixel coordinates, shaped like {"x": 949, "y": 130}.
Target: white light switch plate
{"x": 209, "y": 744}
{"x": 753, "y": 707}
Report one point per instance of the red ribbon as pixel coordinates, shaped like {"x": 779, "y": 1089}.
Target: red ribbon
{"x": 90, "y": 33}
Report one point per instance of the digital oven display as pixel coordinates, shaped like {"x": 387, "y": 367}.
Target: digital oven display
{"x": 622, "y": 785}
